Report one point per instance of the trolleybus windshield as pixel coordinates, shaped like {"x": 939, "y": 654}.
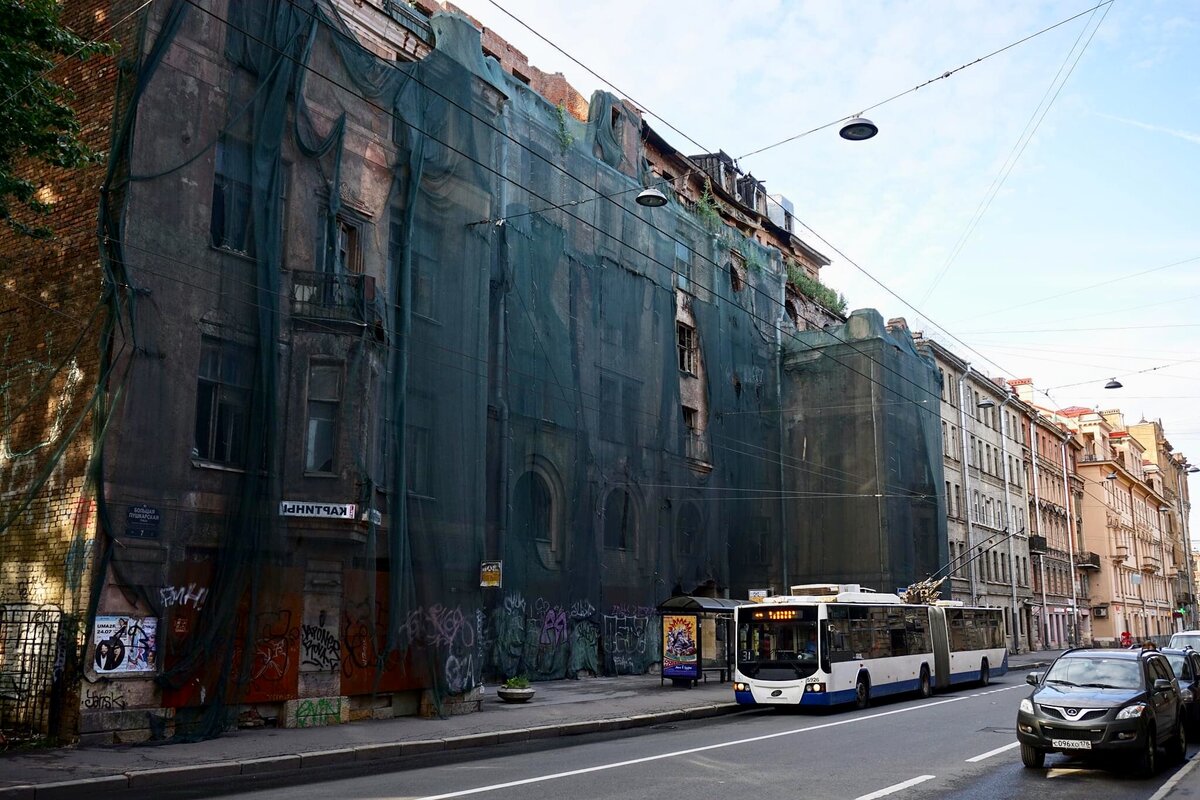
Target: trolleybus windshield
{"x": 778, "y": 642}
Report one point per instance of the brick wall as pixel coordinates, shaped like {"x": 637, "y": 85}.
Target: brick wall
{"x": 49, "y": 358}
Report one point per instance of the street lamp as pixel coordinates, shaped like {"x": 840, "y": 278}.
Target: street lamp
{"x": 858, "y": 129}
{"x": 1113, "y": 383}
{"x": 651, "y": 198}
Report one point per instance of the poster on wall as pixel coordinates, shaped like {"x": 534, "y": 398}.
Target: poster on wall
{"x": 125, "y": 644}
{"x": 681, "y": 646}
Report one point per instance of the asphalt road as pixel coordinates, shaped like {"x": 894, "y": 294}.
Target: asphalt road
{"x": 956, "y": 745}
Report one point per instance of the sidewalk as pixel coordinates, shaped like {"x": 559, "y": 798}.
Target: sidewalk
{"x": 561, "y": 708}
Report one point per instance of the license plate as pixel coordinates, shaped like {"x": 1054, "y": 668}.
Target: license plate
{"x": 1072, "y": 744}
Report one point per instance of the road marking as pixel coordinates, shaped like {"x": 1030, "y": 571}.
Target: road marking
{"x": 662, "y": 756}
{"x": 1166, "y": 788}
{"x": 897, "y": 787}
{"x": 991, "y": 753}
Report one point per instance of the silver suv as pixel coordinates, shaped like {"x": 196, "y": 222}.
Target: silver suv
{"x": 1103, "y": 701}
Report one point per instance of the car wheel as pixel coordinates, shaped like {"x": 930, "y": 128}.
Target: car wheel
{"x": 985, "y": 675}
{"x": 1178, "y": 751}
{"x": 862, "y": 692}
{"x": 1032, "y": 757}
{"x": 924, "y": 687}
{"x": 1147, "y": 762}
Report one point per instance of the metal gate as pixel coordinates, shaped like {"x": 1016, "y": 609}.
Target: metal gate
{"x": 28, "y": 647}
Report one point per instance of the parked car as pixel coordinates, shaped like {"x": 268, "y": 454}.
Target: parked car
{"x": 1184, "y": 639}
{"x": 1186, "y": 665}
{"x": 1103, "y": 701}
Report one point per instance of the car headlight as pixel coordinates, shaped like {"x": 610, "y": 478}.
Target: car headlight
{"x": 1027, "y": 706}
{"x": 1132, "y": 712}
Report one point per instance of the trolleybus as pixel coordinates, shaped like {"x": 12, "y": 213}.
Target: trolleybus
{"x": 823, "y": 645}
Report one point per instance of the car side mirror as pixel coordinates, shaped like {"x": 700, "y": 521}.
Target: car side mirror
{"x": 1162, "y": 685}
{"x": 1033, "y": 678}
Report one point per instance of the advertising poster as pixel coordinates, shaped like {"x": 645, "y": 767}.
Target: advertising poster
{"x": 125, "y": 644}
{"x": 681, "y": 649}
{"x": 490, "y": 573}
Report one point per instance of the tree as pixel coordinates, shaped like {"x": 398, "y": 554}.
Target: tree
{"x": 36, "y": 119}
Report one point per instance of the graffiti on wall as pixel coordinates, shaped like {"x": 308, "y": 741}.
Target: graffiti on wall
{"x": 320, "y": 649}
{"x": 546, "y": 640}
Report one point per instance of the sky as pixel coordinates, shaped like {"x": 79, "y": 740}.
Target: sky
{"x": 1036, "y": 211}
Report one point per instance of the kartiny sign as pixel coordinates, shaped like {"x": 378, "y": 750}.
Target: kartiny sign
{"x": 294, "y": 508}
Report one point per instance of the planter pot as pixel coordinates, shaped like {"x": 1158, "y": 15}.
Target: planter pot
{"x": 509, "y": 695}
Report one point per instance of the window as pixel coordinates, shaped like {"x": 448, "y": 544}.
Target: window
{"x": 423, "y": 260}
{"x": 737, "y": 270}
{"x": 344, "y": 255}
{"x": 688, "y": 530}
{"x": 222, "y": 401}
{"x": 683, "y": 265}
{"x": 231, "y": 225}
{"x": 324, "y": 395}
{"x": 685, "y": 341}
{"x": 690, "y": 419}
{"x": 620, "y": 523}
{"x": 418, "y": 445}
{"x": 619, "y": 409}
{"x": 531, "y": 509}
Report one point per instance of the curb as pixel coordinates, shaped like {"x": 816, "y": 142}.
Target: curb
{"x": 274, "y": 766}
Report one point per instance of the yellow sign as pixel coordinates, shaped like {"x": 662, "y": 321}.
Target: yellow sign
{"x": 491, "y": 574}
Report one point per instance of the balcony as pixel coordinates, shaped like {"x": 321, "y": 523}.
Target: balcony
{"x": 341, "y": 297}
{"x": 1037, "y": 544}
{"x": 1086, "y": 560}
{"x": 1151, "y": 564}
{"x": 1120, "y": 553}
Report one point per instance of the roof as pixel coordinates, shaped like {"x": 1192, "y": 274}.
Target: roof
{"x": 685, "y": 602}
{"x": 1074, "y": 411}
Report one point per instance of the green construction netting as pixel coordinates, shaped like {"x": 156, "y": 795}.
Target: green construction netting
{"x": 512, "y": 388}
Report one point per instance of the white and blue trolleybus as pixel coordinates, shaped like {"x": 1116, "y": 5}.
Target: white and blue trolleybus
{"x": 822, "y": 645}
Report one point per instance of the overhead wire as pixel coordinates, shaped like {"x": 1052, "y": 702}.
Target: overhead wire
{"x": 1031, "y": 128}
{"x": 487, "y": 167}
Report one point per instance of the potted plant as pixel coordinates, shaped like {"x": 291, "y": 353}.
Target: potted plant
{"x": 516, "y": 690}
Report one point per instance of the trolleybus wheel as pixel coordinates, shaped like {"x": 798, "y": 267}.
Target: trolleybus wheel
{"x": 862, "y": 692}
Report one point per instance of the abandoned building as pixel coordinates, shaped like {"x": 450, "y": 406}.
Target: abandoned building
{"x": 394, "y": 386}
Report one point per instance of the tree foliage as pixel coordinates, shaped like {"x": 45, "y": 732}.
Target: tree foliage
{"x": 37, "y": 122}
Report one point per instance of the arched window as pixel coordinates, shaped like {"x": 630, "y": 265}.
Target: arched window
{"x": 532, "y": 518}
{"x": 620, "y": 521}
{"x": 689, "y": 529}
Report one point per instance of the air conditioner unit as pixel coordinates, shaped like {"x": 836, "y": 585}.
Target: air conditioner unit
{"x": 1101, "y": 612}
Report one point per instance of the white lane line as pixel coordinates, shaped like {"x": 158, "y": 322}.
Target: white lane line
{"x": 898, "y": 787}
{"x": 991, "y": 753}
{"x": 661, "y": 756}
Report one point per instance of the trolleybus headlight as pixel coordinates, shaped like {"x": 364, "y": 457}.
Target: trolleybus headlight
{"x": 815, "y": 687}
{"x": 738, "y": 686}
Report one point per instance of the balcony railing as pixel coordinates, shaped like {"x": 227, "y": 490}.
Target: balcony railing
{"x": 1086, "y": 560}
{"x": 332, "y": 296}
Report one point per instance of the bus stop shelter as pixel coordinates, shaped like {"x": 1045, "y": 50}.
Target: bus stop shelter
{"x": 696, "y": 638}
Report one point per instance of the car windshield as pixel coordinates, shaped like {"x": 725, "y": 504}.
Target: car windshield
{"x": 1103, "y": 673}
{"x": 1181, "y": 640}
